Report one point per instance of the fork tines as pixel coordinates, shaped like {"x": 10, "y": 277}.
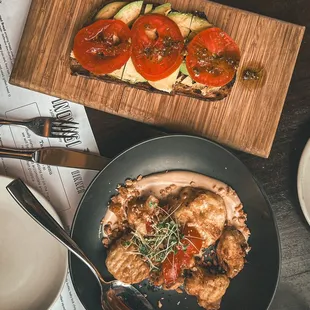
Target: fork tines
{"x": 64, "y": 129}
{"x": 61, "y": 121}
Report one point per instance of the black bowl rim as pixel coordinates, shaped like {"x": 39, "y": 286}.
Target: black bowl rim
{"x": 191, "y": 137}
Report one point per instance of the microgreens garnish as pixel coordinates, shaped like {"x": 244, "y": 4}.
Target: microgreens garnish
{"x": 155, "y": 248}
{"x": 126, "y": 243}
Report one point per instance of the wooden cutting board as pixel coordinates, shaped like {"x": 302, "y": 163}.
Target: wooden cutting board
{"x": 247, "y": 120}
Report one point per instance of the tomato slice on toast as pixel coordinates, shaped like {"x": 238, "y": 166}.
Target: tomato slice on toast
{"x": 157, "y": 46}
{"x": 212, "y": 57}
{"x": 103, "y": 46}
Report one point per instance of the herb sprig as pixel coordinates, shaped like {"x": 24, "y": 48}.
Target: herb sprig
{"x": 165, "y": 239}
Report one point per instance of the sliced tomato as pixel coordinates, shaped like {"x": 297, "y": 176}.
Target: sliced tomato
{"x": 103, "y": 47}
{"x": 212, "y": 57}
{"x": 176, "y": 262}
{"x": 157, "y": 46}
{"x": 172, "y": 268}
{"x": 192, "y": 240}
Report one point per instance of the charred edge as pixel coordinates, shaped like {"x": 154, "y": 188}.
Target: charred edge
{"x": 77, "y": 70}
{"x": 200, "y": 14}
{"x": 216, "y": 96}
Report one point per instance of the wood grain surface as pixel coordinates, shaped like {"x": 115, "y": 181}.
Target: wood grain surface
{"x": 247, "y": 120}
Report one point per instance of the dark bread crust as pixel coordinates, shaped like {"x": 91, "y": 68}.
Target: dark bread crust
{"x": 179, "y": 88}
{"x": 211, "y": 95}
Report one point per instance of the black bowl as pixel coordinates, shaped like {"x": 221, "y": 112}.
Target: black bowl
{"x": 252, "y": 289}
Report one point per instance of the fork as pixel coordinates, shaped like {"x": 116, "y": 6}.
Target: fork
{"x": 47, "y": 127}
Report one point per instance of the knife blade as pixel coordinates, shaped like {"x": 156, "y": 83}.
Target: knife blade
{"x": 56, "y": 156}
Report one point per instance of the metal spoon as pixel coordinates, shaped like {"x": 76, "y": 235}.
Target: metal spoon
{"x": 115, "y": 295}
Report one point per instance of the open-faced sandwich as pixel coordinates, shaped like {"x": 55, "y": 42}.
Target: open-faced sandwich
{"x": 155, "y": 48}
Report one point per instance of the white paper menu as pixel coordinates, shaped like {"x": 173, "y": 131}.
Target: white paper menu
{"x": 64, "y": 187}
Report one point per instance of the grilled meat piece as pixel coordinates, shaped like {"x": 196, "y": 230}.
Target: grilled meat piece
{"x": 205, "y": 211}
{"x": 124, "y": 264}
{"x": 231, "y": 251}
{"x": 208, "y": 288}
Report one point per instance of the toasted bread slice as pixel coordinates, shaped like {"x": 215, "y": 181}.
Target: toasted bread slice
{"x": 183, "y": 85}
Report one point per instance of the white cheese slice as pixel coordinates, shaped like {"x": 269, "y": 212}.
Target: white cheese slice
{"x": 131, "y": 75}
{"x": 117, "y": 74}
{"x": 207, "y": 89}
{"x": 167, "y": 83}
{"x": 188, "y": 81}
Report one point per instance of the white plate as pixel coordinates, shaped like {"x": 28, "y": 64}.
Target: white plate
{"x": 33, "y": 265}
{"x": 303, "y": 182}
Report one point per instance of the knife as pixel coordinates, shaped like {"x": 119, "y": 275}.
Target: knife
{"x": 56, "y": 156}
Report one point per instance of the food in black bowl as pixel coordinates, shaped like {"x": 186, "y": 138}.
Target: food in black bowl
{"x": 246, "y": 282}
{"x": 161, "y": 229}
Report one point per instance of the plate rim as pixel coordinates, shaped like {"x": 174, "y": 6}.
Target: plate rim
{"x": 300, "y": 178}
{"x": 57, "y": 219}
{"x": 171, "y": 136}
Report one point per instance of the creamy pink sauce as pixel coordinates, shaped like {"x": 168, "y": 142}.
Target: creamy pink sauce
{"x": 156, "y": 183}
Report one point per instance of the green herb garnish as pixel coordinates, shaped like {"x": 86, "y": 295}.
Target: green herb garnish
{"x": 126, "y": 243}
{"x": 164, "y": 240}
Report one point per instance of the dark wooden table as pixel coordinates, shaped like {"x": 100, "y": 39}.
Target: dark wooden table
{"x": 277, "y": 175}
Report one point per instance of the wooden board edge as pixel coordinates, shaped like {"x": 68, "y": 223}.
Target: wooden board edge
{"x": 300, "y": 39}
{"x": 256, "y": 152}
